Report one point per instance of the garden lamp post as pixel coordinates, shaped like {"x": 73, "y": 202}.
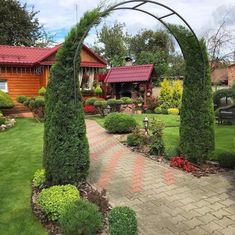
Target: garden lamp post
{"x": 146, "y": 124}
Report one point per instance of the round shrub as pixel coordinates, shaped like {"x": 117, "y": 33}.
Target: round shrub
{"x": 98, "y": 90}
{"x": 114, "y": 102}
{"x": 21, "y": 99}
{"x": 133, "y": 140}
{"x": 119, "y": 123}
{"x": 5, "y": 100}
{"x": 55, "y": 199}
{"x": 122, "y": 220}
{"x": 127, "y": 100}
{"x": 91, "y": 101}
{"x": 173, "y": 111}
{"x": 158, "y": 110}
{"x": 227, "y": 160}
{"x": 39, "y": 178}
{"x": 164, "y": 111}
{"x": 100, "y": 103}
{"x": 81, "y": 218}
{"x": 42, "y": 91}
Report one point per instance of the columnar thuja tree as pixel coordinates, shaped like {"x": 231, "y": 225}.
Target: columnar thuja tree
{"x": 197, "y": 114}
{"x": 66, "y": 150}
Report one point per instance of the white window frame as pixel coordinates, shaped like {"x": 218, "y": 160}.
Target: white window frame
{"x": 6, "y": 86}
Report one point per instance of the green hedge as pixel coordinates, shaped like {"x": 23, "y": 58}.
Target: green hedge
{"x": 5, "y": 101}
{"x": 227, "y": 160}
{"x": 119, "y": 123}
{"x": 122, "y": 220}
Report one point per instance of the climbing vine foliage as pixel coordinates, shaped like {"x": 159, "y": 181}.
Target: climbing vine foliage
{"x": 197, "y": 140}
{"x": 66, "y": 150}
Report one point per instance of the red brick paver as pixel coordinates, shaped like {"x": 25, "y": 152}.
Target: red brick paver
{"x": 166, "y": 200}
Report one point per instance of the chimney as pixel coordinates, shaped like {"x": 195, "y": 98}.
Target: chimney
{"x": 128, "y": 61}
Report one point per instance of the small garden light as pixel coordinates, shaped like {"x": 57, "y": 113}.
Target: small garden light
{"x": 146, "y": 124}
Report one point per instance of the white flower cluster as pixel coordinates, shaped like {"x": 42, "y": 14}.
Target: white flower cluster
{"x": 9, "y": 124}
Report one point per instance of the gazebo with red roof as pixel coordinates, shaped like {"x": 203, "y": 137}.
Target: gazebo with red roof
{"x": 131, "y": 81}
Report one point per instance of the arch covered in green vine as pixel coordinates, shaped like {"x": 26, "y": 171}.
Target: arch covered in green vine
{"x": 66, "y": 149}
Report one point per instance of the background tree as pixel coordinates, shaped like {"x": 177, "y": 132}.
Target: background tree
{"x": 20, "y": 26}
{"x": 113, "y": 43}
{"x": 220, "y": 38}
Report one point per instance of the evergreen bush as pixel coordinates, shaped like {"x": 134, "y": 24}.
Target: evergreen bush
{"x": 227, "y": 160}
{"x": 197, "y": 114}
{"x": 39, "y": 178}
{"x": 5, "y": 101}
{"x": 81, "y": 218}
{"x": 42, "y": 91}
{"x": 122, "y": 220}
{"x": 66, "y": 149}
{"x": 98, "y": 90}
{"x": 119, "y": 123}
{"x": 55, "y": 199}
{"x": 91, "y": 101}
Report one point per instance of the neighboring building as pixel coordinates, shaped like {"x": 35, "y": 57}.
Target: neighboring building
{"x": 224, "y": 75}
{"x": 131, "y": 80}
{"x": 24, "y": 70}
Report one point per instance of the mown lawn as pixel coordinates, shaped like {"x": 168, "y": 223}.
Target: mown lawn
{"x": 224, "y": 135}
{"x": 20, "y": 156}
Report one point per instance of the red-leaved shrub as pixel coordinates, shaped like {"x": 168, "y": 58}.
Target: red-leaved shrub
{"x": 90, "y": 109}
{"x": 183, "y": 164}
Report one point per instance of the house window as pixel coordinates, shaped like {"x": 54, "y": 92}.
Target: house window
{"x": 3, "y": 85}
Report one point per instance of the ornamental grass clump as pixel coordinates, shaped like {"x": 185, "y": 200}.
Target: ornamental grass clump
{"x": 122, "y": 220}
{"x": 54, "y": 200}
{"x": 81, "y": 218}
{"x": 119, "y": 123}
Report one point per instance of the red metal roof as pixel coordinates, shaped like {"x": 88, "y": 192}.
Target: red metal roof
{"x": 134, "y": 73}
{"x": 29, "y": 56}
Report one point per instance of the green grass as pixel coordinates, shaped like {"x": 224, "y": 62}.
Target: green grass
{"x": 169, "y": 120}
{"x": 20, "y": 156}
{"x": 224, "y": 135}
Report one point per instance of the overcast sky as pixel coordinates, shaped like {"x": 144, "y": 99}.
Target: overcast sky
{"x": 58, "y": 16}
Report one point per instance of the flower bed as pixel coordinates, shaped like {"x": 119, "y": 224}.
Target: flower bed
{"x": 86, "y": 192}
{"x": 180, "y": 162}
{"x": 9, "y": 123}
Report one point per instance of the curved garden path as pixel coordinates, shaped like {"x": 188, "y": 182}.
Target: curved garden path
{"x": 166, "y": 200}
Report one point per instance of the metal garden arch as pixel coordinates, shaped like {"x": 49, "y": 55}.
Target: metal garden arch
{"x": 139, "y": 3}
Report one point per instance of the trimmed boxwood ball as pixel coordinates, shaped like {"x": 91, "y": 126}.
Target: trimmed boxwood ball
{"x": 119, "y": 123}
{"x": 91, "y": 101}
{"x": 5, "y": 101}
{"x": 55, "y": 199}
{"x": 227, "y": 160}
{"x": 122, "y": 220}
{"x": 66, "y": 149}
{"x": 81, "y": 218}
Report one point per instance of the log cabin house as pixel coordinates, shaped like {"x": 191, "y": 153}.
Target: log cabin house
{"x": 24, "y": 70}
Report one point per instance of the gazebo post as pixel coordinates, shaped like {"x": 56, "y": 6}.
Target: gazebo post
{"x": 145, "y": 93}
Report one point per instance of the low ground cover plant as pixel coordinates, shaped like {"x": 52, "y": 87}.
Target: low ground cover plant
{"x": 81, "y": 218}
{"x": 119, "y": 123}
{"x": 55, "y": 199}
{"x": 122, "y": 220}
{"x": 39, "y": 178}
{"x": 180, "y": 162}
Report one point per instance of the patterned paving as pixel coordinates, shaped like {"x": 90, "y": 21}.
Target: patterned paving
{"x": 166, "y": 200}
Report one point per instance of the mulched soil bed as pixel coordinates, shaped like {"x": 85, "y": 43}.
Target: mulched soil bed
{"x": 86, "y": 192}
{"x": 206, "y": 169}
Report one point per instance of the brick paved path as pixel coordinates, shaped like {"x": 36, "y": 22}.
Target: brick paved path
{"x": 167, "y": 201}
